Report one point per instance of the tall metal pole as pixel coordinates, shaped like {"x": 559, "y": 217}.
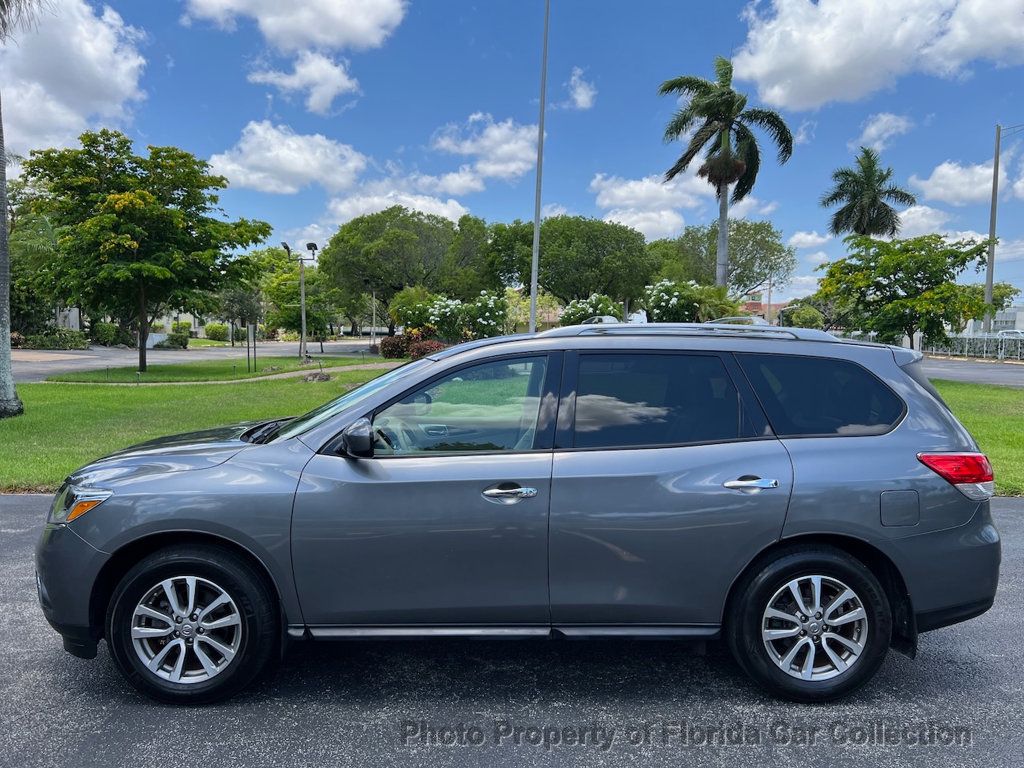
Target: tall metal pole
{"x": 990, "y": 263}
{"x": 535, "y": 261}
{"x": 302, "y": 304}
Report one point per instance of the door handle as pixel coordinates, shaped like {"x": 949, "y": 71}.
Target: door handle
{"x": 752, "y": 484}
{"x": 509, "y": 495}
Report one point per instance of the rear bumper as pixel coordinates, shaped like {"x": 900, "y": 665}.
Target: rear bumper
{"x": 66, "y": 570}
{"x": 951, "y": 575}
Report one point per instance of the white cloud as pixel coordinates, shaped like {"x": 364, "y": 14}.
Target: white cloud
{"x": 803, "y": 54}
{"x": 551, "y": 210}
{"x": 751, "y": 206}
{"x": 76, "y": 68}
{"x": 318, "y": 76}
{"x": 1018, "y": 185}
{"x": 504, "y": 150}
{"x": 797, "y": 287}
{"x": 653, "y": 224}
{"x": 582, "y": 93}
{"x": 460, "y": 182}
{"x": 648, "y": 204}
{"x": 879, "y": 129}
{"x": 346, "y": 208}
{"x": 273, "y": 158}
{"x": 922, "y": 220}
{"x": 807, "y": 239}
{"x": 294, "y": 27}
{"x": 805, "y": 133}
{"x": 818, "y": 257}
{"x": 958, "y": 184}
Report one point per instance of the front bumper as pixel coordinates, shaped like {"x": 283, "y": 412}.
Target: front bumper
{"x": 66, "y": 570}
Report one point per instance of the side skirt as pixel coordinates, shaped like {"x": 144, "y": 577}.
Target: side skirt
{"x": 675, "y": 631}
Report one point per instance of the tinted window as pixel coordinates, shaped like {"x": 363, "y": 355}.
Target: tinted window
{"x": 818, "y": 396}
{"x": 493, "y": 406}
{"x": 652, "y": 399}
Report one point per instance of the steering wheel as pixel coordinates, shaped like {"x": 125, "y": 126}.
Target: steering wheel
{"x": 395, "y": 434}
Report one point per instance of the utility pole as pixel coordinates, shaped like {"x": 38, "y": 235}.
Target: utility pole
{"x": 990, "y": 263}
{"x": 535, "y": 261}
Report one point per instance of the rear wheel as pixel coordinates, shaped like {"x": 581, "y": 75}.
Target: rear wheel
{"x": 192, "y": 624}
{"x": 814, "y": 624}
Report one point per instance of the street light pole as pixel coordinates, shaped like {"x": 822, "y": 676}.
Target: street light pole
{"x": 535, "y": 261}
{"x": 990, "y": 262}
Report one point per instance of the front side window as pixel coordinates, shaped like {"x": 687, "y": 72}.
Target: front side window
{"x": 649, "y": 399}
{"x": 807, "y": 396}
{"x": 493, "y": 406}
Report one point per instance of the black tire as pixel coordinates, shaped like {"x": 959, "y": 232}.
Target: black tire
{"x": 752, "y": 597}
{"x": 256, "y": 608}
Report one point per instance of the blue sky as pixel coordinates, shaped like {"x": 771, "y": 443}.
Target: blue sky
{"x": 318, "y": 111}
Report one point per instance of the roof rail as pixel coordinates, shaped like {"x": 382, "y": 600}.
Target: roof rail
{"x": 693, "y": 329}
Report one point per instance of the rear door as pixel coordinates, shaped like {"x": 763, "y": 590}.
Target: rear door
{"x": 666, "y": 482}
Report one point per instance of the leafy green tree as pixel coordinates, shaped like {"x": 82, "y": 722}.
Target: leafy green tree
{"x": 141, "y": 234}
{"x": 671, "y": 302}
{"x": 510, "y": 249}
{"x": 14, "y": 15}
{"x": 581, "y": 256}
{"x": 386, "y": 251}
{"x": 716, "y": 119}
{"x": 411, "y": 306}
{"x": 467, "y": 268}
{"x": 803, "y": 316}
{"x": 863, "y": 193}
{"x": 756, "y": 254}
{"x": 282, "y": 291}
{"x": 32, "y": 246}
{"x": 1003, "y": 295}
{"x": 898, "y": 287}
{"x": 835, "y": 311}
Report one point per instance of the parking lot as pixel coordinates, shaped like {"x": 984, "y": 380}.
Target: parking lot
{"x": 511, "y": 702}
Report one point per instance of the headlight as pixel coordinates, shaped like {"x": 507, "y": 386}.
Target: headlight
{"x": 73, "y": 501}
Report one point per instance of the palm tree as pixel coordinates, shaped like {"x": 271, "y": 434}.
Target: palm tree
{"x": 722, "y": 124}
{"x": 864, "y": 193}
{"x": 14, "y": 15}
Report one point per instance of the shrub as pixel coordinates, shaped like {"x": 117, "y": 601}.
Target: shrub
{"x": 596, "y": 304}
{"x": 411, "y": 306}
{"x": 217, "y": 331}
{"x": 804, "y": 317}
{"x": 184, "y": 327}
{"x": 174, "y": 341}
{"x": 486, "y": 316}
{"x": 157, "y": 328}
{"x": 394, "y": 346}
{"x": 105, "y": 334}
{"x": 57, "y": 338}
{"x": 446, "y": 315}
{"x": 671, "y": 302}
{"x": 17, "y": 340}
{"x": 423, "y": 348}
{"x": 240, "y": 333}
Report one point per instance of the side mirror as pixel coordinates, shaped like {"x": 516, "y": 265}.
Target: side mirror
{"x": 357, "y": 439}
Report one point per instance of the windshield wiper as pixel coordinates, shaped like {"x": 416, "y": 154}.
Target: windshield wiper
{"x": 265, "y": 432}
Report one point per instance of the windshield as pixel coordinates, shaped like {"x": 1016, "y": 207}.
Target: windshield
{"x": 328, "y": 410}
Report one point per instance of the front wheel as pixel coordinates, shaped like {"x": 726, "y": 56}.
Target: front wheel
{"x": 812, "y": 625}
{"x": 191, "y": 624}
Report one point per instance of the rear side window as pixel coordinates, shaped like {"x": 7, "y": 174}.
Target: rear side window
{"x": 633, "y": 400}
{"x": 915, "y": 370}
{"x": 805, "y": 396}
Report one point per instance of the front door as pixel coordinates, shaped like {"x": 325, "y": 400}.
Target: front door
{"x": 446, "y": 525}
{"x": 665, "y": 484}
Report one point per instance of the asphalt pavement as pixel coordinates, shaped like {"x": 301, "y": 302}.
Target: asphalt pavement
{"x": 976, "y": 371}
{"x": 527, "y": 702}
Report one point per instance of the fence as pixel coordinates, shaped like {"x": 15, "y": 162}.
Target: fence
{"x": 991, "y": 347}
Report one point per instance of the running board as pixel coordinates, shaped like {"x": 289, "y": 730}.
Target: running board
{"x": 681, "y": 631}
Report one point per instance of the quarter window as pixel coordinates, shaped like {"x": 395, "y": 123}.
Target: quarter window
{"x": 492, "y": 406}
{"x": 805, "y": 396}
{"x": 648, "y": 399}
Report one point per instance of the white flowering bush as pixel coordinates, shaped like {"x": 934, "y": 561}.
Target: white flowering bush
{"x": 671, "y": 302}
{"x": 578, "y": 310}
{"x": 445, "y": 316}
{"x": 486, "y": 316}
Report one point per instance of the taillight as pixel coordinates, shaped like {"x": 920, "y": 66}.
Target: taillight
{"x": 971, "y": 473}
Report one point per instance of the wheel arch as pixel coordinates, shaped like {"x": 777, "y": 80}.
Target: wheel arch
{"x": 904, "y": 637}
{"x": 122, "y": 560}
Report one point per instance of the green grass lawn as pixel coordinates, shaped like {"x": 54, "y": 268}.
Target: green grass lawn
{"x": 207, "y": 370}
{"x": 207, "y": 343}
{"x": 66, "y": 426}
{"x": 995, "y": 416}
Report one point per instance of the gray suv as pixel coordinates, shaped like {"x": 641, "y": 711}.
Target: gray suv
{"x": 811, "y": 501}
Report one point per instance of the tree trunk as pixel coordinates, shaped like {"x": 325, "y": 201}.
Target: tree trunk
{"x": 143, "y": 328}
{"x": 722, "y": 254}
{"x": 10, "y": 403}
